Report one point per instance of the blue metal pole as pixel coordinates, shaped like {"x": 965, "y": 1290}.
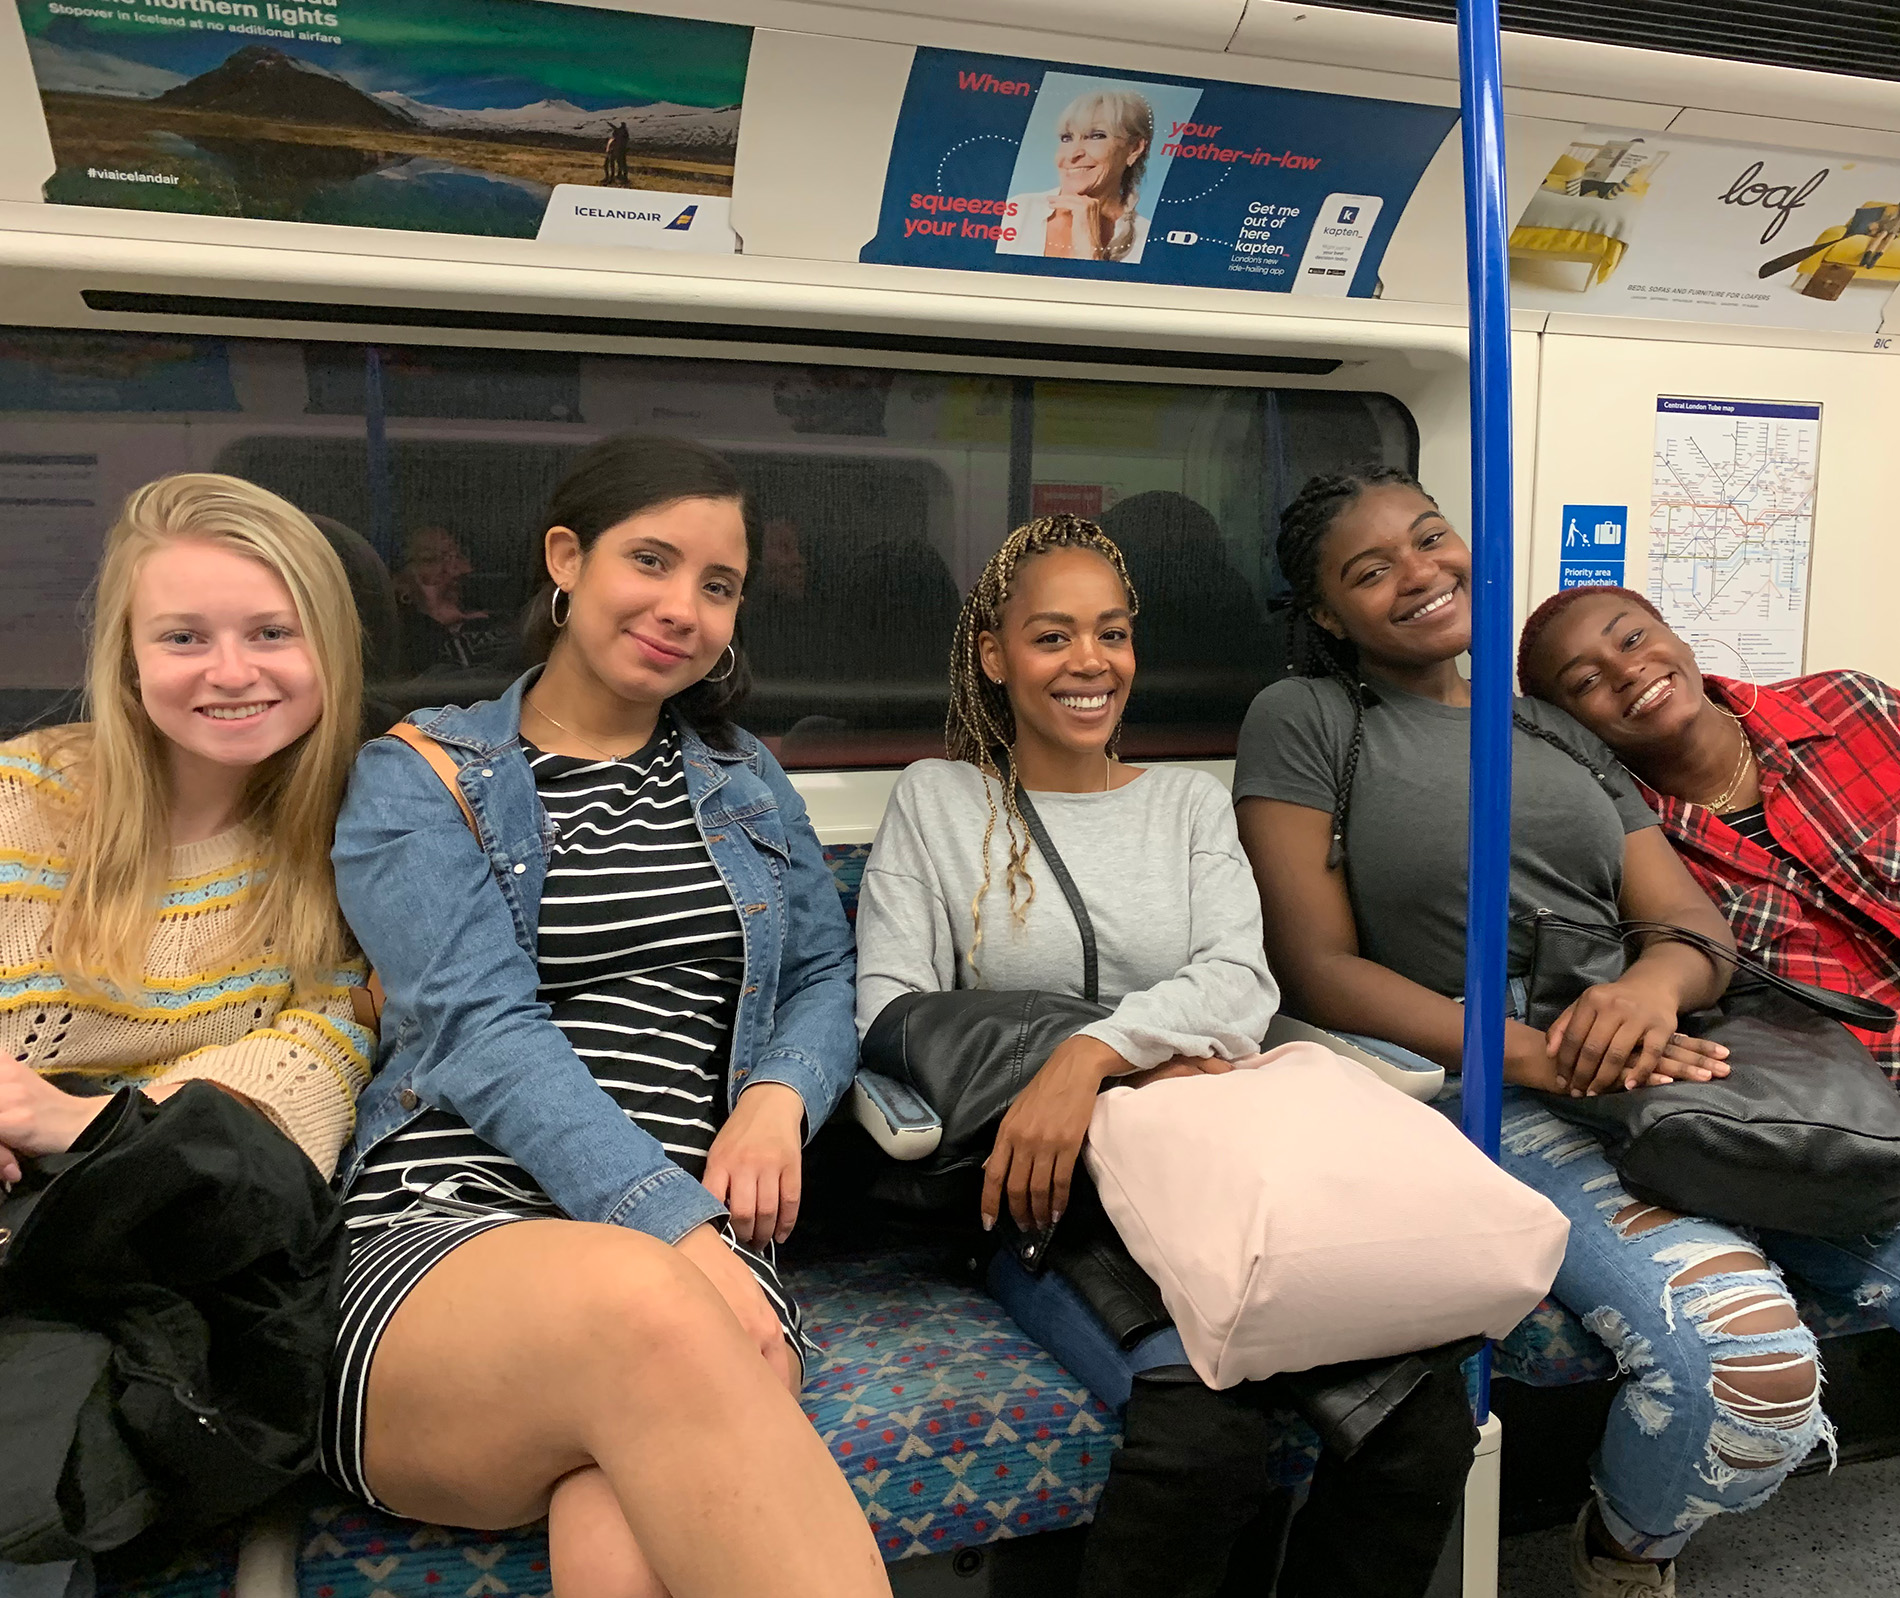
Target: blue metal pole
{"x": 1487, "y": 906}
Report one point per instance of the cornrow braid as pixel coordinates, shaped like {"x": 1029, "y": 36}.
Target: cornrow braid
{"x": 1304, "y": 525}
{"x": 1557, "y": 741}
{"x": 980, "y": 726}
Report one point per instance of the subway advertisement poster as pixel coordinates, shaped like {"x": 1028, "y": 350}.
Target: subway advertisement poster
{"x": 510, "y": 118}
{"x": 1009, "y": 165}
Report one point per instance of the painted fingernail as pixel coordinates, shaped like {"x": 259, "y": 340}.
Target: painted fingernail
{"x": 1055, "y": 1217}
{"x": 988, "y": 1222}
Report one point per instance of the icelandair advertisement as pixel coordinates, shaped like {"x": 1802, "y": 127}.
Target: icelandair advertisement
{"x": 1006, "y": 165}
{"x": 1649, "y": 224}
{"x": 511, "y": 118}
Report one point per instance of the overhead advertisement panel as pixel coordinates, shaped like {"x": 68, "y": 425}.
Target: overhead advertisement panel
{"x": 1649, "y": 224}
{"x": 1009, "y": 165}
{"x": 511, "y": 118}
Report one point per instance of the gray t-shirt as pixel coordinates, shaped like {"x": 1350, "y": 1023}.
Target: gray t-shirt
{"x": 1158, "y": 862}
{"x": 1405, "y": 833}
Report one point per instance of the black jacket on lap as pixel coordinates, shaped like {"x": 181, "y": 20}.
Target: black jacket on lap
{"x": 168, "y": 1307}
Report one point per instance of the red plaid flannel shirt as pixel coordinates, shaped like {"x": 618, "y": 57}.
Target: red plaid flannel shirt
{"x": 1828, "y": 748}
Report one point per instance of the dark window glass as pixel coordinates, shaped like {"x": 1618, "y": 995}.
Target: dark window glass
{"x": 878, "y": 495}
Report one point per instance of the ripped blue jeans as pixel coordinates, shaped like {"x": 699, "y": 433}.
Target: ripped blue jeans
{"x": 1723, "y": 1396}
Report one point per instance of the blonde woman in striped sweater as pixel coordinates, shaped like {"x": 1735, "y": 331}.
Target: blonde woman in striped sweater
{"x": 167, "y": 912}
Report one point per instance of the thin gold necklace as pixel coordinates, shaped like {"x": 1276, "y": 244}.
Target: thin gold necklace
{"x": 1720, "y": 803}
{"x": 563, "y": 727}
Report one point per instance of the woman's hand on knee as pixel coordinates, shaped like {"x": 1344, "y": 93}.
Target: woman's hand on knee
{"x": 734, "y": 1282}
{"x": 754, "y": 1166}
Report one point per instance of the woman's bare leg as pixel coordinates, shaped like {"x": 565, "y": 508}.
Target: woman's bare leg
{"x": 538, "y": 1349}
{"x": 591, "y": 1551}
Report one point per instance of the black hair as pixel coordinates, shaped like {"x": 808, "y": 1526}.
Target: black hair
{"x": 1314, "y": 652}
{"x": 620, "y": 477}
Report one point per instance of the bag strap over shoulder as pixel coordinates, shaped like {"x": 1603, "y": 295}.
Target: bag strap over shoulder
{"x": 1091, "y": 987}
{"x": 441, "y": 762}
{"x": 366, "y": 1003}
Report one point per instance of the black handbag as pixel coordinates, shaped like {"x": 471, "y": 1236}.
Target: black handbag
{"x": 1802, "y": 1135}
{"x": 168, "y": 1310}
{"x": 968, "y": 1053}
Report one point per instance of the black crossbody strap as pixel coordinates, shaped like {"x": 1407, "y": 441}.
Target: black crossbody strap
{"x": 1091, "y": 987}
{"x": 1849, "y": 1008}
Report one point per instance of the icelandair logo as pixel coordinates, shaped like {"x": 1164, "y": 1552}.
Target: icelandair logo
{"x": 650, "y": 219}
{"x": 679, "y": 224}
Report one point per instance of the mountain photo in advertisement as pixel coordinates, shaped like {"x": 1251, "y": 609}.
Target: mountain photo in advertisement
{"x": 1632, "y": 223}
{"x": 451, "y": 116}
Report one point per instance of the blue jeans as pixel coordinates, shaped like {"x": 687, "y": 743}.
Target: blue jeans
{"x": 1716, "y": 1411}
{"x": 1055, "y": 1316}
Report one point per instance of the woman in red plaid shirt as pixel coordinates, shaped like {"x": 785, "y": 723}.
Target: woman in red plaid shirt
{"x": 1783, "y": 800}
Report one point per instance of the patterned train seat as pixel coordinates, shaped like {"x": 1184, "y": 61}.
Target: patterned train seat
{"x": 954, "y": 1429}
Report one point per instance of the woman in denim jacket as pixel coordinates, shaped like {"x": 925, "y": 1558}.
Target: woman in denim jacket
{"x": 615, "y": 1009}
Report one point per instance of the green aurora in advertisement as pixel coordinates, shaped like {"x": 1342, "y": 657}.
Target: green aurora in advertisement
{"x": 453, "y": 116}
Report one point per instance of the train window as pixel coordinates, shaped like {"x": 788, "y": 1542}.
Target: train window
{"x": 879, "y": 493}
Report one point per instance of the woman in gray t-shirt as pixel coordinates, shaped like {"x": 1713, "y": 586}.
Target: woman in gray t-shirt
{"x": 1351, "y": 785}
{"x": 956, "y": 895}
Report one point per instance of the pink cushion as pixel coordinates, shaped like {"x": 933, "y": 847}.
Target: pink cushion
{"x": 1303, "y": 1213}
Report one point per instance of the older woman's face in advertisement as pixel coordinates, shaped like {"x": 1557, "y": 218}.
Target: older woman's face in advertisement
{"x": 1091, "y": 158}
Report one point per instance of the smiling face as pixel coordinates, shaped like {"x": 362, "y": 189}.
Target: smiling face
{"x": 224, "y": 668}
{"x": 1620, "y": 672}
{"x": 653, "y": 602}
{"x": 1395, "y": 580}
{"x": 1092, "y": 155}
{"x": 1064, "y": 650}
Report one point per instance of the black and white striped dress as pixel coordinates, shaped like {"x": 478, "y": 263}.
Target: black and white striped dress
{"x": 641, "y": 958}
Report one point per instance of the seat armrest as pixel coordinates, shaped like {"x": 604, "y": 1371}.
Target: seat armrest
{"x": 900, "y": 1123}
{"x": 1422, "y": 1081}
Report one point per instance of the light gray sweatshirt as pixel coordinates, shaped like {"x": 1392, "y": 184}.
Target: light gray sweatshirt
{"x": 1159, "y": 865}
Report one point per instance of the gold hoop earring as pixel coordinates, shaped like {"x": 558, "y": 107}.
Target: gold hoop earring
{"x": 554, "y": 606}
{"x": 1748, "y": 676}
{"x": 730, "y": 669}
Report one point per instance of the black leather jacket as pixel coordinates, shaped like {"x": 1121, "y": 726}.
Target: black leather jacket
{"x": 168, "y": 1306}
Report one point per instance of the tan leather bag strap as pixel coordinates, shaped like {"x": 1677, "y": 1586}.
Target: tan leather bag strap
{"x": 441, "y": 762}
{"x": 367, "y": 1002}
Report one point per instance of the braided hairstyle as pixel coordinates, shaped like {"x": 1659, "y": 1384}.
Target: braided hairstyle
{"x": 1314, "y": 652}
{"x": 981, "y": 727}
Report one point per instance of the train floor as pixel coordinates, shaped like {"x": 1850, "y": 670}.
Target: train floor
{"x": 1821, "y": 1536}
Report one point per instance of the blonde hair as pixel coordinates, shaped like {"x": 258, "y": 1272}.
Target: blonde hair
{"x": 981, "y": 726}
{"x": 116, "y": 832}
{"x": 1131, "y": 117}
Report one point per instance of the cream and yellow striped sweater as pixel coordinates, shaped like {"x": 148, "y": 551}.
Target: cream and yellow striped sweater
{"x": 299, "y": 1055}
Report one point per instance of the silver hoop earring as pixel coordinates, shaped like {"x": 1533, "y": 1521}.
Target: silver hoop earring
{"x": 554, "y": 607}
{"x": 730, "y": 669}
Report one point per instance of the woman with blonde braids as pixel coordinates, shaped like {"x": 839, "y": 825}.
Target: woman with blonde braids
{"x": 953, "y": 897}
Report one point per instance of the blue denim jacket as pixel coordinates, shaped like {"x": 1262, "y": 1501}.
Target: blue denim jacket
{"x": 449, "y": 922}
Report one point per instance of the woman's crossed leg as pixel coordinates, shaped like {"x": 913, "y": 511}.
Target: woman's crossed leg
{"x": 593, "y": 1371}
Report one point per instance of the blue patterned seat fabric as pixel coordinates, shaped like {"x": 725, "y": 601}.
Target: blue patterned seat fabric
{"x": 953, "y": 1428}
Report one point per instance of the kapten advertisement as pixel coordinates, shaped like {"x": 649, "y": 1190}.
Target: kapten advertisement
{"x": 513, "y": 118}
{"x": 1648, "y": 224}
{"x": 1008, "y": 165}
